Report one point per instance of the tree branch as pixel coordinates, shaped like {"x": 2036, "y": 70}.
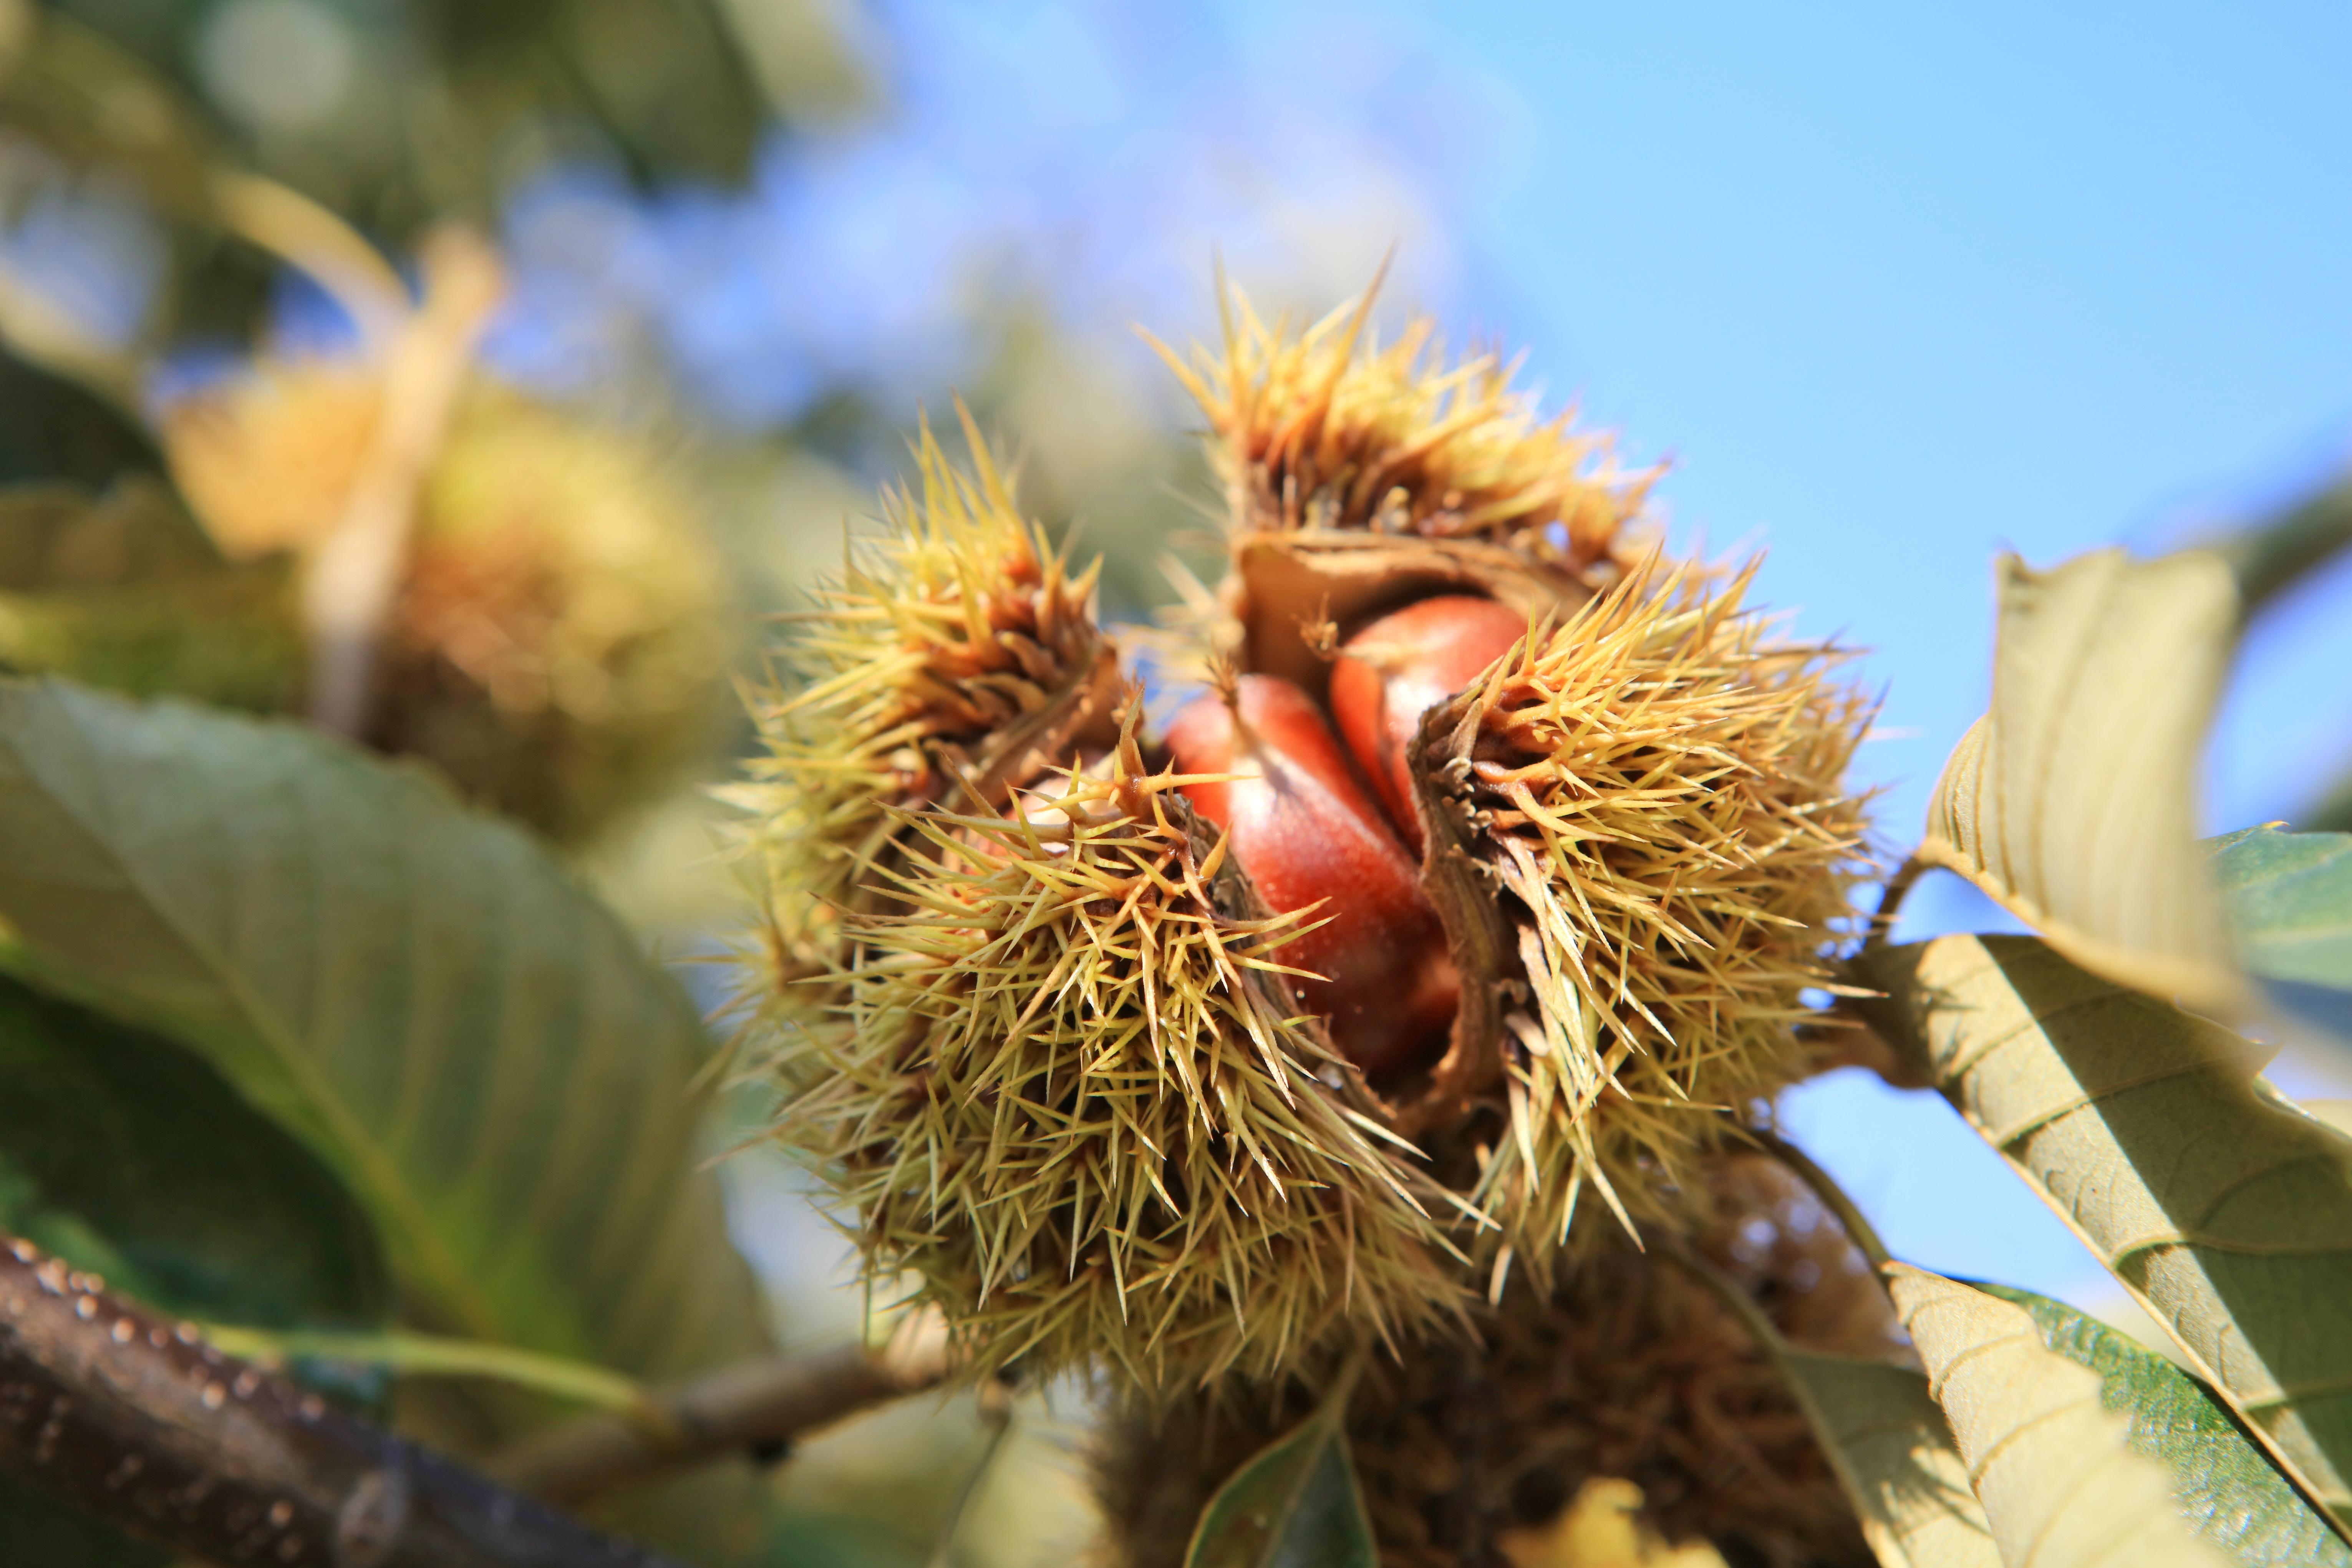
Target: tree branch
{"x": 2272, "y": 556}
{"x": 145, "y": 1424}
{"x": 354, "y": 579}
{"x": 755, "y": 1405}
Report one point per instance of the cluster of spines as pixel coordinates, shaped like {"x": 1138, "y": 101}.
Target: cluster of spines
{"x": 939, "y": 642}
{"x": 1323, "y": 428}
{"x": 1658, "y": 787}
{"x": 1072, "y": 1100}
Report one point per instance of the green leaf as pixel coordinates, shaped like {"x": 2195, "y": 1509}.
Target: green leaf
{"x": 2225, "y": 1211}
{"x": 60, "y": 535}
{"x": 2290, "y": 897}
{"x": 2059, "y": 1484}
{"x": 126, "y": 1156}
{"x": 1892, "y": 1450}
{"x": 42, "y": 1528}
{"x": 128, "y": 593}
{"x": 1883, "y": 1436}
{"x": 2223, "y": 1486}
{"x": 511, "y": 1089}
{"x": 130, "y": 1157}
{"x": 436, "y": 1355}
{"x": 1295, "y": 1505}
{"x": 2071, "y": 801}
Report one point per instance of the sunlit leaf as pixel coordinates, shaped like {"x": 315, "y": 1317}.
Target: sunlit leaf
{"x": 1882, "y": 1432}
{"x": 1892, "y": 1451}
{"x": 2225, "y": 1487}
{"x": 2289, "y": 896}
{"x": 2223, "y": 1209}
{"x": 2059, "y": 1484}
{"x": 480, "y": 1052}
{"x": 1602, "y": 1527}
{"x": 2071, "y": 801}
{"x": 1295, "y": 1505}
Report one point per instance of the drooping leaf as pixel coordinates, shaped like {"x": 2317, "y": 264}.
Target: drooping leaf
{"x": 2060, "y": 1485}
{"x": 1602, "y": 1527}
{"x": 2225, "y": 1487}
{"x": 1890, "y": 1447}
{"x": 2224, "y": 1210}
{"x": 436, "y": 1355}
{"x": 1888, "y": 1443}
{"x": 42, "y": 1528}
{"x": 54, "y": 427}
{"x": 2071, "y": 801}
{"x": 61, "y": 535}
{"x": 2289, "y": 896}
{"x": 1295, "y": 1505}
{"x": 125, "y": 591}
{"x": 130, "y": 1156}
{"x": 502, "y": 1079}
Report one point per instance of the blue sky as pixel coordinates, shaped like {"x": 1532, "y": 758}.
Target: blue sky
{"x": 1894, "y": 289}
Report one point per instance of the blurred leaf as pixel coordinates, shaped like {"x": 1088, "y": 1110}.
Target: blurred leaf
{"x": 438, "y": 1356}
{"x": 55, "y": 429}
{"x": 127, "y": 1156}
{"x": 1882, "y": 1432}
{"x": 1295, "y": 1505}
{"x": 1893, "y": 1454}
{"x": 56, "y": 534}
{"x": 507, "y": 1084}
{"x": 1602, "y": 1527}
{"x": 2223, "y": 1209}
{"x": 134, "y": 1158}
{"x": 40, "y": 1528}
{"x": 2225, "y": 1487}
{"x": 2059, "y": 1485}
{"x": 126, "y": 592}
{"x": 71, "y": 90}
{"x": 2289, "y": 898}
{"x": 2071, "y": 801}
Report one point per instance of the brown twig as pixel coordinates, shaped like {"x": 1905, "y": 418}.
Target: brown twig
{"x": 754, "y": 1405}
{"x": 141, "y": 1421}
{"x": 352, "y": 583}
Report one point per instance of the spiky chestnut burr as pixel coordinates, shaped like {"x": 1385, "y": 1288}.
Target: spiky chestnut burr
{"x": 1268, "y": 770}
{"x": 954, "y": 659}
{"x": 1359, "y": 477}
{"x": 1073, "y": 1101}
{"x": 1634, "y": 959}
{"x": 553, "y": 644}
{"x": 1658, "y": 788}
{"x": 1628, "y": 1369}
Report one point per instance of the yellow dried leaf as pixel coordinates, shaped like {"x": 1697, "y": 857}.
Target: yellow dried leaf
{"x": 2071, "y": 801}
{"x": 2058, "y": 1482}
{"x": 1601, "y": 1528}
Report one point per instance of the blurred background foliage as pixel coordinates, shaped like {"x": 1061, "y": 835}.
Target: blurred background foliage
{"x": 738, "y": 243}
{"x": 741, "y": 241}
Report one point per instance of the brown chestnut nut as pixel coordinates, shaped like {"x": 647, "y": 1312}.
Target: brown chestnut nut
{"x": 1304, "y": 830}
{"x": 1398, "y": 668}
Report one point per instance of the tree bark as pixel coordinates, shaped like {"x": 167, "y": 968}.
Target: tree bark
{"x": 141, "y": 1421}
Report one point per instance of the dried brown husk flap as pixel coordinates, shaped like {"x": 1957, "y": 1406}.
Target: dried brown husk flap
{"x": 1289, "y": 590}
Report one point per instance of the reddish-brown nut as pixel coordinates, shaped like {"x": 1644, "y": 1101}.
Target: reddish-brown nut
{"x": 1306, "y": 832}
{"x": 1397, "y": 669}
